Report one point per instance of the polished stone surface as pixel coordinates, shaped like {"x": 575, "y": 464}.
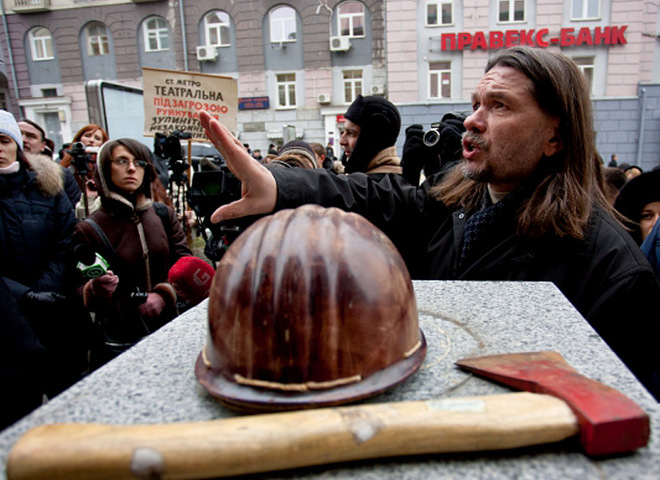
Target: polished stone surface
{"x": 154, "y": 383}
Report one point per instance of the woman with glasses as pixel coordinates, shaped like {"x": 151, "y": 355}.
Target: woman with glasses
{"x": 139, "y": 239}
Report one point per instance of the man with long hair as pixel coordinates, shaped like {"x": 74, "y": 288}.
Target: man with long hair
{"x": 524, "y": 203}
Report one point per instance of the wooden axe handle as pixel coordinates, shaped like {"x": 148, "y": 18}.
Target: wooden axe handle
{"x": 277, "y": 441}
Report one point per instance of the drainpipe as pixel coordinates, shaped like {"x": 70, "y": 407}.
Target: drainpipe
{"x": 642, "y": 121}
{"x": 10, "y": 54}
{"x": 183, "y": 36}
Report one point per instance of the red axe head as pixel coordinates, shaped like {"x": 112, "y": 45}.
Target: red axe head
{"x": 609, "y": 421}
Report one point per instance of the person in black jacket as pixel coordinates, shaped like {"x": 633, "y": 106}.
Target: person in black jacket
{"x": 371, "y": 127}
{"x": 36, "y": 224}
{"x": 524, "y": 203}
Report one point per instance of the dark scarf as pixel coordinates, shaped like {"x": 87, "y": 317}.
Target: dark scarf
{"x": 488, "y": 223}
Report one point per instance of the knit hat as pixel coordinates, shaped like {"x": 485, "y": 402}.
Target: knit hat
{"x": 300, "y": 148}
{"x": 380, "y": 123}
{"x": 8, "y": 126}
{"x": 191, "y": 278}
{"x": 636, "y": 193}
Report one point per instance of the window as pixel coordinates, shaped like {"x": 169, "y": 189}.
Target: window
{"x": 439, "y": 12}
{"x": 586, "y": 66}
{"x": 585, "y": 9}
{"x": 350, "y": 18}
{"x": 352, "y": 85}
{"x": 42, "y": 44}
{"x": 512, "y": 11}
{"x": 286, "y": 90}
{"x": 156, "y": 35}
{"x": 217, "y": 27}
{"x": 282, "y": 25}
{"x": 440, "y": 80}
{"x": 97, "y": 40}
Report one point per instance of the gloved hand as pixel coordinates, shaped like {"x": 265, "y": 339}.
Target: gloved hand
{"x": 153, "y": 306}
{"x": 42, "y": 298}
{"x": 415, "y": 155}
{"x": 450, "y": 146}
{"x": 104, "y": 286}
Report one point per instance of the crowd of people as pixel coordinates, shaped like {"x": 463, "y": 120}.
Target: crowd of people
{"x": 512, "y": 190}
{"x": 91, "y": 261}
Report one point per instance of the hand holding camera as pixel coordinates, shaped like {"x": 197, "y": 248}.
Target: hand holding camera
{"x": 434, "y": 148}
{"x": 152, "y": 306}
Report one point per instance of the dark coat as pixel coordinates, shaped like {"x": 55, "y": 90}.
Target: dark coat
{"x": 36, "y": 223}
{"x": 141, "y": 267}
{"x": 605, "y": 276}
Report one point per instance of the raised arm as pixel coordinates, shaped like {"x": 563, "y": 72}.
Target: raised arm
{"x": 258, "y": 191}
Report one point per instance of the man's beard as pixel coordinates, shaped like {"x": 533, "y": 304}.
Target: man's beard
{"x": 482, "y": 175}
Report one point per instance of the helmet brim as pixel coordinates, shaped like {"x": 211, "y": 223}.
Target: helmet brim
{"x": 251, "y": 399}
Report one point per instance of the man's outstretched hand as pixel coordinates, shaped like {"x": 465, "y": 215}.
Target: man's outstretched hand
{"x": 258, "y": 190}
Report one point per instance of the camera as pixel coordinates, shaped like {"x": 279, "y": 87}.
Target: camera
{"x": 169, "y": 148}
{"x": 137, "y": 297}
{"x": 432, "y": 136}
{"x": 82, "y": 159}
{"x": 210, "y": 190}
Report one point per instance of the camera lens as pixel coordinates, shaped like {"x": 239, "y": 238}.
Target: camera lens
{"x": 431, "y": 137}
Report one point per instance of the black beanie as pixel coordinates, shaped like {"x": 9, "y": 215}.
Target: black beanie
{"x": 379, "y": 123}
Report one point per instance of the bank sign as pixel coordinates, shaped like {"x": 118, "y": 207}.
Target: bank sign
{"x": 566, "y": 37}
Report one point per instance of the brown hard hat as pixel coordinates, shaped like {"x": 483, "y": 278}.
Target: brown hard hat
{"x": 309, "y": 307}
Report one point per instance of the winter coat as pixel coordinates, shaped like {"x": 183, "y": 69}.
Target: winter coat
{"x": 144, "y": 249}
{"x": 605, "y": 275}
{"x": 36, "y": 223}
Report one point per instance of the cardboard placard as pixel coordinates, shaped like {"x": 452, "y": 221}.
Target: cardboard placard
{"x": 173, "y": 99}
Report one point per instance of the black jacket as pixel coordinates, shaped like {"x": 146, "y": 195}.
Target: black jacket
{"x": 36, "y": 223}
{"x": 605, "y": 276}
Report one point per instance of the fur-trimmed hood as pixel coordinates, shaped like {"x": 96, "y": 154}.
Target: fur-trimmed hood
{"x": 49, "y": 176}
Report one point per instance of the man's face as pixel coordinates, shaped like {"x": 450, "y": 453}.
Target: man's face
{"x": 507, "y": 132}
{"x": 349, "y": 137}
{"x": 32, "y": 140}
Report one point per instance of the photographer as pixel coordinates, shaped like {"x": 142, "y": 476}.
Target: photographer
{"x": 81, "y": 159}
{"x": 139, "y": 239}
{"x": 370, "y": 131}
{"x": 433, "y": 149}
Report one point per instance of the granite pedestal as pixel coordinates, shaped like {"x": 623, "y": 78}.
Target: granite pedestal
{"x": 154, "y": 382}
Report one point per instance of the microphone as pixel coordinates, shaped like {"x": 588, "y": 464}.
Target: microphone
{"x": 191, "y": 278}
{"x": 90, "y": 264}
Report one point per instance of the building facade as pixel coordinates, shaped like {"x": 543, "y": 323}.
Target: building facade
{"x": 299, "y": 64}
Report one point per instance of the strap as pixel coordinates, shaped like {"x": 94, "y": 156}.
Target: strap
{"x": 161, "y": 211}
{"x": 110, "y": 255}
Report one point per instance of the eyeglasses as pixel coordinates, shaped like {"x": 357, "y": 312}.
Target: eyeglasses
{"x": 123, "y": 162}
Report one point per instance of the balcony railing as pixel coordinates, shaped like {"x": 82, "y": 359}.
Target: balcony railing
{"x": 29, "y": 6}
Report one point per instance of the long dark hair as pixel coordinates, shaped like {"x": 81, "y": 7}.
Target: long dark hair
{"x": 564, "y": 200}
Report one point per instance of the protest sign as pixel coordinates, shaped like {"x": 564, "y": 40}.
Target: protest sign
{"x": 172, "y": 101}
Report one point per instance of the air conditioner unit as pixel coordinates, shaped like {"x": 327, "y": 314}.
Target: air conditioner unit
{"x": 339, "y": 44}
{"x": 323, "y": 98}
{"x": 206, "y": 53}
{"x": 378, "y": 89}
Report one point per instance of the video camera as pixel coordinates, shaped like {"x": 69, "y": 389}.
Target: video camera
{"x": 82, "y": 157}
{"x": 169, "y": 148}
{"x": 210, "y": 190}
